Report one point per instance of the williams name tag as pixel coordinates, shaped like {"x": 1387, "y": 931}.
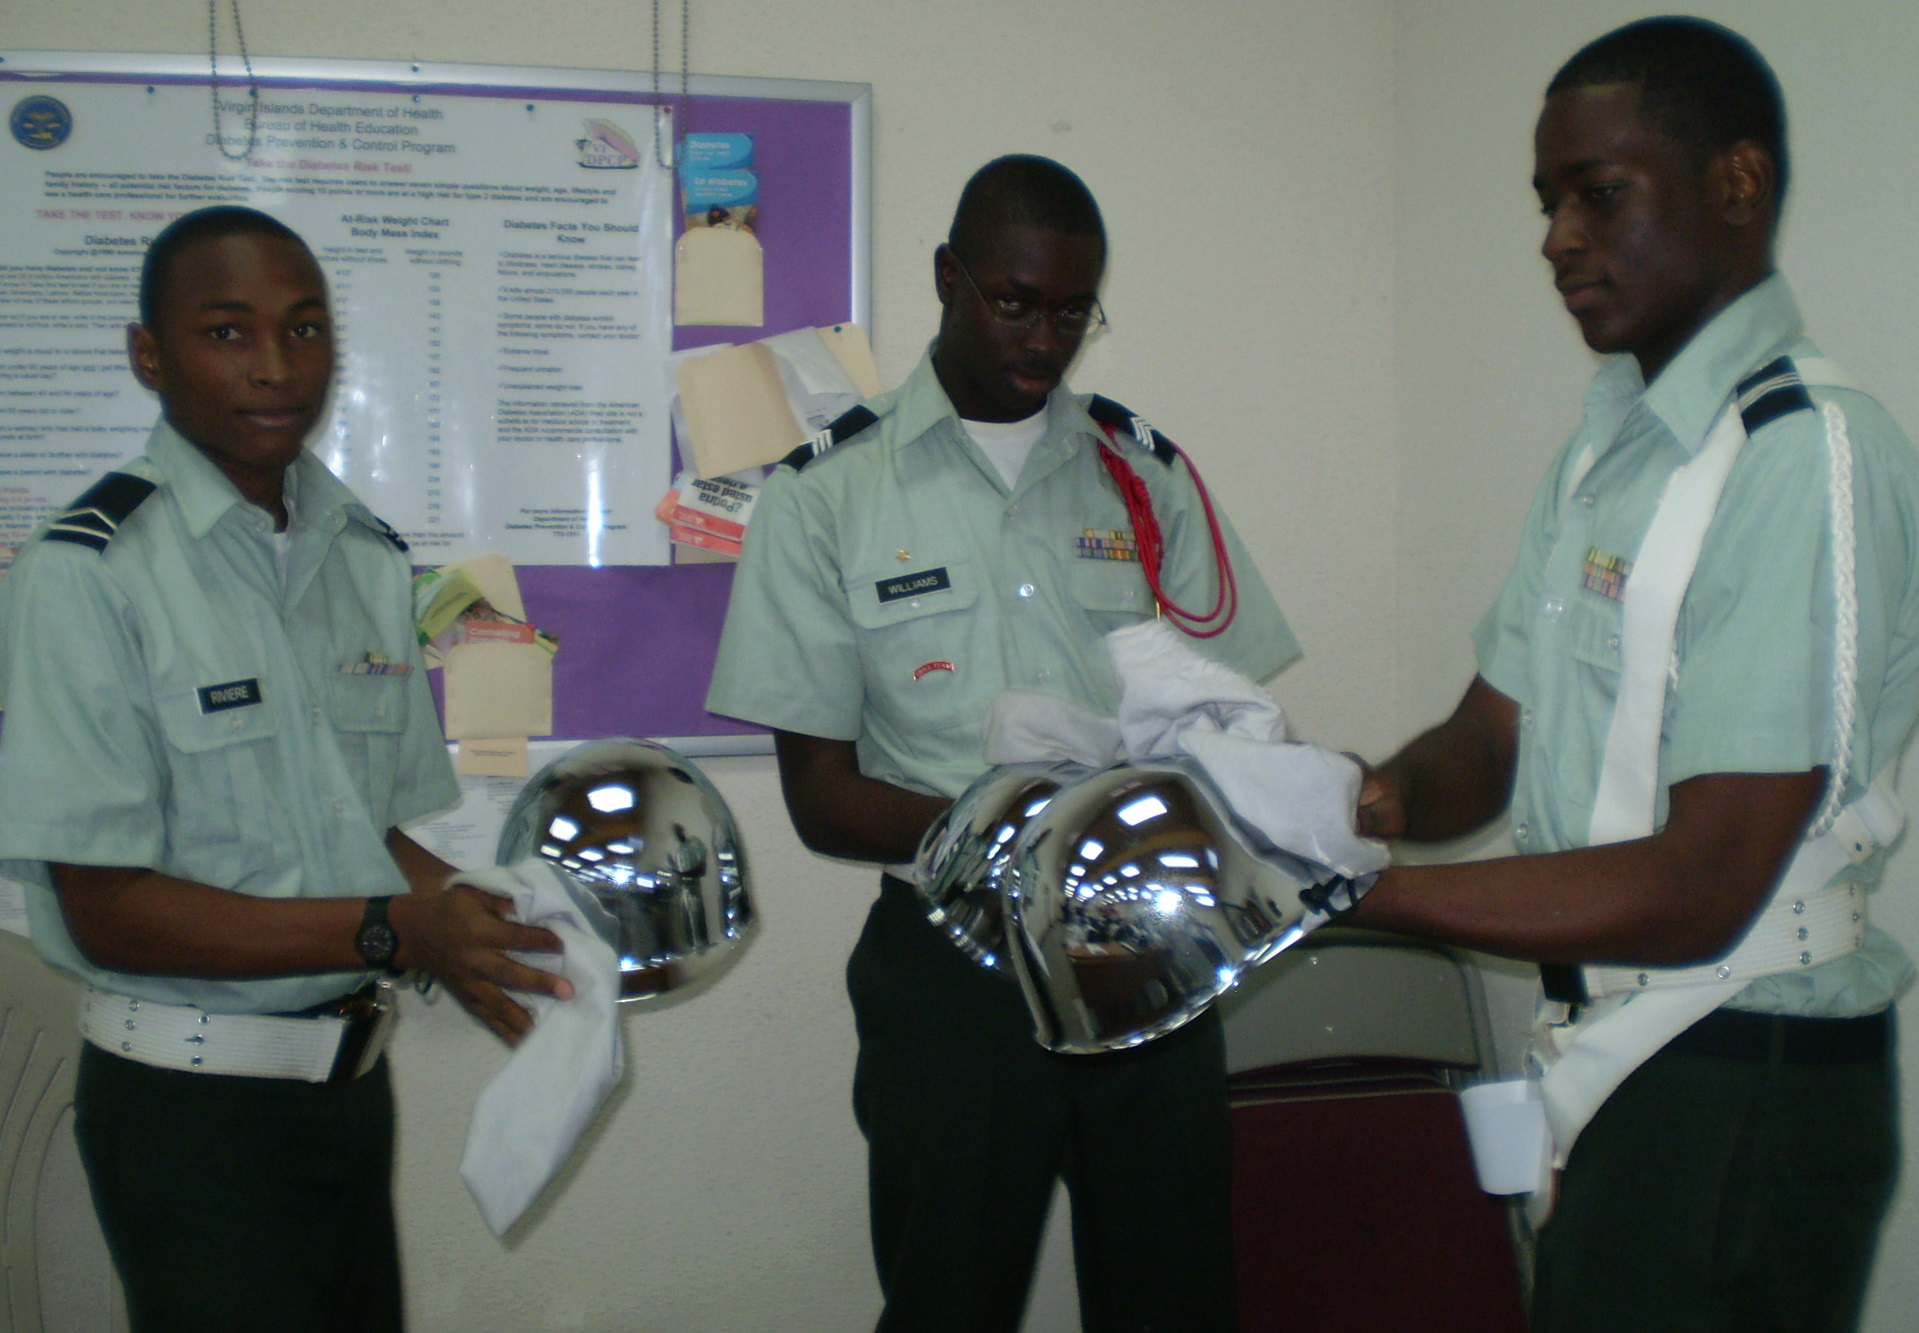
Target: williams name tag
{"x": 912, "y": 585}
{"x": 233, "y": 694}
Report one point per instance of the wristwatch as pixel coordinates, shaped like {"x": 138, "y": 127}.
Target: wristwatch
{"x": 377, "y": 941}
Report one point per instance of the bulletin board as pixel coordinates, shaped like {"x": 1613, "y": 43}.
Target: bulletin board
{"x": 637, "y": 640}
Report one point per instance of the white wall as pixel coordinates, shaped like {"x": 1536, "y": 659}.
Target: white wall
{"x": 1490, "y": 369}
{"x": 1242, "y": 154}
{"x": 1324, "y": 283}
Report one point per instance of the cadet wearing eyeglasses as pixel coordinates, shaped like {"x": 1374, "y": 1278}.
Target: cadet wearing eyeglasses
{"x": 950, "y": 540}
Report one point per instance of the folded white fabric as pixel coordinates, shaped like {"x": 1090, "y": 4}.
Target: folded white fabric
{"x": 526, "y": 1121}
{"x": 1027, "y": 727}
{"x": 1169, "y": 690}
{"x": 1301, "y": 797}
{"x": 1174, "y": 701}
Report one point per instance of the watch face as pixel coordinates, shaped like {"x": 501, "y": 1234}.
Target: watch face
{"x": 376, "y": 943}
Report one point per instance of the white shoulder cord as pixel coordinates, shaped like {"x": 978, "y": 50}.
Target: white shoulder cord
{"x": 1845, "y": 597}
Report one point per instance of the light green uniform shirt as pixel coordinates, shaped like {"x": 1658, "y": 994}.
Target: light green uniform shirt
{"x": 1753, "y": 684}
{"x": 121, "y": 746}
{"x": 893, "y": 586}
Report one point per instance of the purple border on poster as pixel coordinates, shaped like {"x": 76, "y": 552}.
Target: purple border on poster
{"x": 637, "y": 643}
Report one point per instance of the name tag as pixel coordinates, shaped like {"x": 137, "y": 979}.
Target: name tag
{"x": 233, "y": 694}
{"x": 912, "y": 585}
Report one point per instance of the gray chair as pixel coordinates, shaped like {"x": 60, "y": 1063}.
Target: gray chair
{"x": 39, "y": 1055}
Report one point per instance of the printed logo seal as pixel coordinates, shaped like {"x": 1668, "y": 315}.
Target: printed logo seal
{"x": 40, "y": 122}
{"x": 607, "y": 147}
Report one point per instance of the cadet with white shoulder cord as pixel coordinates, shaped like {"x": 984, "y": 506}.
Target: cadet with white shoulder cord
{"x": 1691, "y": 694}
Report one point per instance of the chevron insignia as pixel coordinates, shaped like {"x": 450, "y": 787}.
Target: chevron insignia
{"x": 97, "y": 515}
{"x": 1773, "y": 391}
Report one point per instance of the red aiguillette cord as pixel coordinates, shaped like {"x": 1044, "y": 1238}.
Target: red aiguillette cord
{"x": 1152, "y": 546}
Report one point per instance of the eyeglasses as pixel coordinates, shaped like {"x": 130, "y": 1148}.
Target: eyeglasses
{"x": 1069, "y": 321}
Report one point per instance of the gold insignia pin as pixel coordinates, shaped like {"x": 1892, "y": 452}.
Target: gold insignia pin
{"x": 904, "y": 555}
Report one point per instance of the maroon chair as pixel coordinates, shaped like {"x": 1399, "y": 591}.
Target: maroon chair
{"x": 1354, "y": 1203}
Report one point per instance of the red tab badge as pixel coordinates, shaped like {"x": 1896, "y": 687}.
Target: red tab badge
{"x": 939, "y": 665}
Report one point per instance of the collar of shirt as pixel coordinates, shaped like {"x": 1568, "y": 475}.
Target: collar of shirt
{"x": 205, "y": 494}
{"x": 920, "y": 404}
{"x": 1698, "y": 383}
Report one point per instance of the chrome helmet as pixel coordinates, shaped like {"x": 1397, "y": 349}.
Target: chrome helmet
{"x": 1133, "y": 899}
{"x": 965, "y": 851}
{"x": 642, "y": 829}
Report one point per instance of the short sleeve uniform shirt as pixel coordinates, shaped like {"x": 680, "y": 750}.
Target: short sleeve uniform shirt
{"x": 178, "y": 701}
{"x": 1752, "y": 684}
{"x": 894, "y": 585}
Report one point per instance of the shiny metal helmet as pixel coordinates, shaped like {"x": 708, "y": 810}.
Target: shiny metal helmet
{"x": 1134, "y": 899}
{"x": 965, "y": 851}
{"x": 643, "y": 830}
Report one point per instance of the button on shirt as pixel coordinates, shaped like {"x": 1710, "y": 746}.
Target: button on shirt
{"x": 1752, "y": 688}
{"x": 894, "y": 586}
{"x": 173, "y": 703}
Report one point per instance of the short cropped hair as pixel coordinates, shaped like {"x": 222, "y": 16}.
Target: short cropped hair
{"x": 203, "y": 224}
{"x": 1702, "y": 84}
{"x": 1023, "y": 190}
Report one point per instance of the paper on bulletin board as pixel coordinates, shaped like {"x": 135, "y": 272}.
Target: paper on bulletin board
{"x": 493, "y": 575}
{"x": 483, "y": 758}
{"x": 747, "y": 406}
{"x": 849, "y": 345}
{"x": 736, "y": 409}
{"x": 498, "y": 689}
{"x": 719, "y": 277}
{"x": 497, "y": 267}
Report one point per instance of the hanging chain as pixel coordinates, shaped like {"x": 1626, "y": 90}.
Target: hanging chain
{"x": 213, "y": 81}
{"x": 679, "y": 131}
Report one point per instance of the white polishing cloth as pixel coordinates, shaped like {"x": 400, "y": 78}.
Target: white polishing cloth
{"x": 1176, "y": 701}
{"x": 526, "y": 1121}
{"x": 1027, "y": 727}
{"x": 1302, "y": 797}
{"x": 1169, "y": 690}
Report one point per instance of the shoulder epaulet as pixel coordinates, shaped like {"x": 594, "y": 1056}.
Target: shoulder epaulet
{"x": 1770, "y": 392}
{"x": 96, "y": 516}
{"x": 1109, "y": 413}
{"x": 380, "y": 525}
{"x": 844, "y": 428}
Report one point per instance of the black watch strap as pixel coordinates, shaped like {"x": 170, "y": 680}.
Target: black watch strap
{"x": 376, "y": 940}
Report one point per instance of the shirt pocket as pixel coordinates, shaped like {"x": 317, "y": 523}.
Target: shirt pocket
{"x": 368, "y": 714}
{"x": 920, "y": 652}
{"x": 1112, "y": 593}
{"x": 1593, "y": 629}
{"x": 219, "y": 780}
{"x": 1592, "y": 632}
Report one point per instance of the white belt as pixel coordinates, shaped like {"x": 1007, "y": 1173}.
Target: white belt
{"x": 317, "y": 1048}
{"x": 1789, "y": 935}
{"x": 1808, "y": 921}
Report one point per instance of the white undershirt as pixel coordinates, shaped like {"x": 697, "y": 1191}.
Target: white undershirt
{"x": 1007, "y": 443}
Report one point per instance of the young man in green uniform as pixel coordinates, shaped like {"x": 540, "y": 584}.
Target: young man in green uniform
{"x": 1664, "y": 776}
{"x": 953, "y": 539}
{"x": 216, "y": 721}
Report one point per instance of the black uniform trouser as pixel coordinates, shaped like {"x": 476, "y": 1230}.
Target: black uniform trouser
{"x": 1735, "y": 1183}
{"x": 969, "y": 1121}
{"x": 234, "y": 1205}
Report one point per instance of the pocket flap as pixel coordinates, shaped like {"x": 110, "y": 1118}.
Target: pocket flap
{"x": 191, "y": 729}
{"x": 366, "y": 702}
{"x": 880, "y": 596}
{"x": 1111, "y": 585}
